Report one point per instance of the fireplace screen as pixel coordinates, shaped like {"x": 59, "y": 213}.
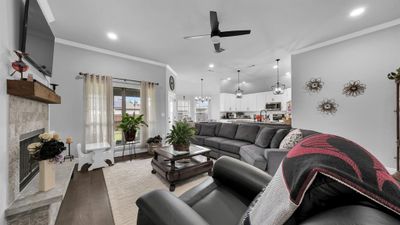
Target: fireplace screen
{"x": 28, "y": 167}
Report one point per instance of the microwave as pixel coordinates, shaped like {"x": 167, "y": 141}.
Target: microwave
{"x": 273, "y": 106}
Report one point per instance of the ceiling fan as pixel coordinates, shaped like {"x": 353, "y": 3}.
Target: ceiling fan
{"x": 216, "y": 34}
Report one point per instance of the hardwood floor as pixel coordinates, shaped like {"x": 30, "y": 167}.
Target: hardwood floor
{"x": 86, "y": 201}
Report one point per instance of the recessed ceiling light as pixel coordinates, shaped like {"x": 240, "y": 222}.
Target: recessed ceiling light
{"x": 275, "y": 67}
{"x": 288, "y": 74}
{"x": 244, "y": 82}
{"x": 228, "y": 78}
{"x": 112, "y": 36}
{"x": 211, "y": 66}
{"x": 357, "y": 12}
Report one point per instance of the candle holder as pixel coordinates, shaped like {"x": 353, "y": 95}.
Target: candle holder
{"x": 69, "y": 156}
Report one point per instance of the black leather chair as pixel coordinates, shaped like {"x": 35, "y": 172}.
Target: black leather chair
{"x": 224, "y": 198}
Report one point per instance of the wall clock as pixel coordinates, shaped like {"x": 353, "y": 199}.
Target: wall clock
{"x": 172, "y": 83}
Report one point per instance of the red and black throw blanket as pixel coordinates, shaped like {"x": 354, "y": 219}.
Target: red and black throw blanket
{"x": 325, "y": 155}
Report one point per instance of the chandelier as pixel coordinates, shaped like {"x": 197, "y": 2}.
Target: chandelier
{"x": 278, "y": 88}
{"x": 238, "y": 92}
{"x": 202, "y": 98}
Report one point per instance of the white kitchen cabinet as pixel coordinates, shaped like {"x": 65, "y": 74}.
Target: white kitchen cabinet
{"x": 261, "y": 99}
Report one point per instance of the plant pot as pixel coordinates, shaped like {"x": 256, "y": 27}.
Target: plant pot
{"x": 181, "y": 147}
{"x": 151, "y": 147}
{"x": 47, "y": 175}
{"x": 130, "y": 135}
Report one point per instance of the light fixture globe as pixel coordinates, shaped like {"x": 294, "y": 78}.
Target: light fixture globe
{"x": 278, "y": 88}
{"x": 238, "y": 92}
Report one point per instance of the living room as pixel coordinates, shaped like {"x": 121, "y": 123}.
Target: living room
{"x": 182, "y": 112}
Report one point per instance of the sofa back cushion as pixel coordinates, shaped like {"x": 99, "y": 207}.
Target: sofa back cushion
{"x": 247, "y": 132}
{"x": 265, "y": 136}
{"x": 197, "y": 126}
{"x": 207, "y": 130}
{"x": 228, "y": 130}
{"x": 278, "y": 137}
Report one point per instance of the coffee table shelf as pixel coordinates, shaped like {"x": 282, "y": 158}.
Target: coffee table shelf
{"x": 172, "y": 168}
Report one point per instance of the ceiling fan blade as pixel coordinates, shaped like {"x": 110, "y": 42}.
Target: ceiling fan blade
{"x": 218, "y": 48}
{"x": 234, "y": 33}
{"x": 196, "y": 36}
{"x": 214, "y": 22}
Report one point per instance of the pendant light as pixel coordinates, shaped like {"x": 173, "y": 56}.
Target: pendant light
{"x": 202, "y": 98}
{"x": 238, "y": 92}
{"x": 278, "y": 88}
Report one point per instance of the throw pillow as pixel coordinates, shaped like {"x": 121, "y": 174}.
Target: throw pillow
{"x": 291, "y": 139}
{"x": 207, "y": 130}
{"x": 278, "y": 137}
{"x": 247, "y": 133}
{"x": 228, "y": 130}
{"x": 265, "y": 136}
{"x": 197, "y": 126}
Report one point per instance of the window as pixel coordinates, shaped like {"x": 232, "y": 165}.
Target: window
{"x": 202, "y": 111}
{"x": 183, "y": 109}
{"x": 126, "y": 100}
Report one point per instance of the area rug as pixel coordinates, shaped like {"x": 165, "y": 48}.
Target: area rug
{"x": 127, "y": 181}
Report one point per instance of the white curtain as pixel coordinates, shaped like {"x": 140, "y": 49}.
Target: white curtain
{"x": 98, "y": 109}
{"x": 148, "y": 109}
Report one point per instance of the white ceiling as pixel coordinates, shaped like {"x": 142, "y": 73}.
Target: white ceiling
{"x": 154, "y": 29}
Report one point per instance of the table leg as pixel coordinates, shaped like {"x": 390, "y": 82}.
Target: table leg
{"x": 172, "y": 187}
{"x": 98, "y": 160}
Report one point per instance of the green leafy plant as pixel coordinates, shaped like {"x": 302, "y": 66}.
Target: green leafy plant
{"x": 394, "y": 75}
{"x": 180, "y": 135}
{"x": 131, "y": 124}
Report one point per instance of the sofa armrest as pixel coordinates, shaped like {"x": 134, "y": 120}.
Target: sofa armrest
{"x": 240, "y": 176}
{"x": 163, "y": 208}
{"x": 274, "y": 158}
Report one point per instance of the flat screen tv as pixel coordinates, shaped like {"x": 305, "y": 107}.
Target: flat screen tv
{"x": 37, "y": 39}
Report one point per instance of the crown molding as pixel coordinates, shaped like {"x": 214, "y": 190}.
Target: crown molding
{"x": 172, "y": 70}
{"x": 109, "y": 52}
{"x": 45, "y": 7}
{"x": 349, "y": 36}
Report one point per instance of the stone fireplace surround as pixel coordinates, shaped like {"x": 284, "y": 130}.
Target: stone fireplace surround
{"x": 24, "y": 116}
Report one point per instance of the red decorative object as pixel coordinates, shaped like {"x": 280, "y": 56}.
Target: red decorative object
{"x": 19, "y": 65}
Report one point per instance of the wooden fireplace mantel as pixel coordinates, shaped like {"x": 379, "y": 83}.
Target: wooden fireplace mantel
{"x": 32, "y": 90}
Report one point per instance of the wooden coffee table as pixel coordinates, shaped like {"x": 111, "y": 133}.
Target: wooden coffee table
{"x": 175, "y": 166}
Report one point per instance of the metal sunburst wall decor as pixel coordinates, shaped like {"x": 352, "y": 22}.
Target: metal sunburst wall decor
{"x": 354, "y": 88}
{"x": 314, "y": 85}
{"x": 328, "y": 106}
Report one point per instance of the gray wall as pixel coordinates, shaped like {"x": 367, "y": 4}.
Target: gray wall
{"x": 368, "y": 119}
{"x": 68, "y": 117}
{"x": 10, "y": 12}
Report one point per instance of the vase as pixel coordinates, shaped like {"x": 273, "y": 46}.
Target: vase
{"x": 130, "y": 135}
{"x": 181, "y": 147}
{"x": 47, "y": 175}
{"x": 151, "y": 147}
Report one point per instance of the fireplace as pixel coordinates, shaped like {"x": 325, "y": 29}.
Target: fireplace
{"x": 28, "y": 167}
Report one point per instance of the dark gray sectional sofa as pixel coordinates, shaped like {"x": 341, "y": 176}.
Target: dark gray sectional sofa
{"x": 255, "y": 144}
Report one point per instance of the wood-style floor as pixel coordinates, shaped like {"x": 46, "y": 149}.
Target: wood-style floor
{"x": 86, "y": 201}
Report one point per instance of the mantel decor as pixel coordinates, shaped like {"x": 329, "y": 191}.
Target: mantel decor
{"x": 354, "y": 88}
{"x": 314, "y": 85}
{"x": 328, "y": 106}
{"x": 396, "y": 77}
{"x": 47, "y": 152}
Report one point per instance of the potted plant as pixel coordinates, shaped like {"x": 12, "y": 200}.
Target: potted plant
{"x": 130, "y": 125}
{"x": 180, "y": 136}
{"x": 47, "y": 152}
{"x": 154, "y": 142}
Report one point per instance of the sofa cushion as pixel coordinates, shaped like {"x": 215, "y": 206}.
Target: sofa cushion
{"x": 197, "y": 126}
{"x": 278, "y": 137}
{"x": 207, "y": 130}
{"x": 246, "y": 132}
{"x": 227, "y": 130}
{"x": 214, "y": 142}
{"x": 232, "y": 146}
{"x": 198, "y": 140}
{"x": 217, "y": 128}
{"x": 253, "y": 155}
{"x": 291, "y": 139}
{"x": 265, "y": 136}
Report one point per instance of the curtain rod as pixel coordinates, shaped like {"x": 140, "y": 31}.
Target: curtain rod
{"x": 120, "y": 79}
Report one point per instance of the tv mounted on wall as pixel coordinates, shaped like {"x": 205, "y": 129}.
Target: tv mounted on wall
{"x": 37, "y": 39}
